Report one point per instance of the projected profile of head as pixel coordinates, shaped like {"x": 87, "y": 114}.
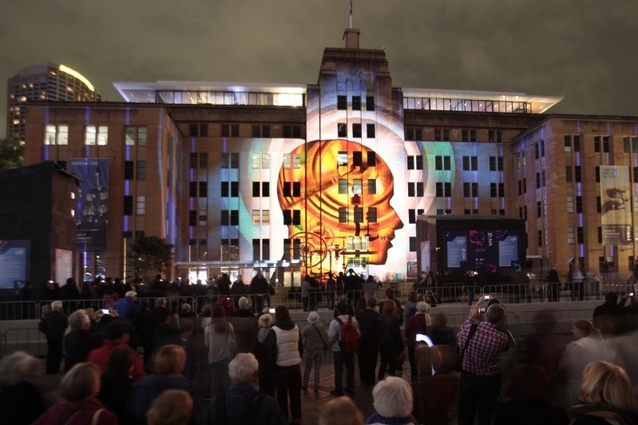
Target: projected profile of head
{"x": 338, "y": 197}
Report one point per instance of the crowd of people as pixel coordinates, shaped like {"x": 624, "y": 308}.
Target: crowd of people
{"x": 128, "y": 364}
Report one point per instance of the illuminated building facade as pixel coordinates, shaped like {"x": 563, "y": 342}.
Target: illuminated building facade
{"x": 43, "y": 82}
{"x": 330, "y": 176}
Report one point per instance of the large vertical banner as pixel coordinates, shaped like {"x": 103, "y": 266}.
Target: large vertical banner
{"x": 615, "y": 195}
{"x": 93, "y": 201}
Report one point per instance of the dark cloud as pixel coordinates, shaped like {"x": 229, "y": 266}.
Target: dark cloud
{"x": 583, "y": 51}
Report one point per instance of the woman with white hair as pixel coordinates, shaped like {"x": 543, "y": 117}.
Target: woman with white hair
{"x": 243, "y": 403}
{"x": 21, "y": 401}
{"x": 392, "y": 402}
{"x": 54, "y": 325}
{"x": 264, "y": 356}
{"x": 81, "y": 340}
{"x": 418, "y": 324}
{"x": 315, "y": 341}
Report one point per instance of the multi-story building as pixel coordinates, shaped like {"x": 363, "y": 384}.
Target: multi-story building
{"x": 43, "y": 82}
{"x": 330, "y": 176}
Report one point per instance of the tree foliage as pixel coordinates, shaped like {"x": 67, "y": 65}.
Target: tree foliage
{"x": 11, "y": 154}
{"x": 150, "y": 255}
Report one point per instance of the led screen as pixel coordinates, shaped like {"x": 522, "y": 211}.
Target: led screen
{"x": 482, "y": 250}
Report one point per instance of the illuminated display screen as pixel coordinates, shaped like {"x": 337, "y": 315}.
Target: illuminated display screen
{"x": 482, "y": 250}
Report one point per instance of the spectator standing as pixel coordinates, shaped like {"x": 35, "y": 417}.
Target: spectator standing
{"x": 81, "y": 340}
{"x": 481, "y": 368}
{"x": 238, "y": 290}
{"x": 341, "y": 358}
{"x": 390, "y": 340}
{"x": 259, "y": 288}
{"x": 314, "y": 340}
{"x": 243, "y": 403}
{"x": 219, "y": 338}
{"x": 264, "y": 356}
{"x": 419, "y": 323}
{"x": 54, "y": 326}
{"x": 409, "y": 308}
{"x": 172, "y": 407}
{"x": 553, "y": 283}
{"x": 284, "y": 342}
{"x": 129, "y": 311}
{"x": 151, "y": 321}
{"x": 369, "y": 344}
{"x": 305, "y": 290}
{"x": 116, "y": 334}
{"x": 245, "y": 325}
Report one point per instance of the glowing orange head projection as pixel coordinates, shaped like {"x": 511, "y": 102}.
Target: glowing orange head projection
{"x": 337, "y": 203}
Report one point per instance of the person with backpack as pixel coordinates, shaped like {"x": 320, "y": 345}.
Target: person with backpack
{"x": 344, "y": 333}
{"x": 243, "y": 403}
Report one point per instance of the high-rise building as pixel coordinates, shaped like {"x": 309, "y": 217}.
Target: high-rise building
{"x": 43, "y": 82}
{"x": 295, "y": 179}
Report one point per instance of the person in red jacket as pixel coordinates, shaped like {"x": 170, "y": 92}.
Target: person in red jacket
{"x": 117, "y": 334}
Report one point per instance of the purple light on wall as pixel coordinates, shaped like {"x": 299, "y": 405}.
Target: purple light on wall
{"x": 126, "y": 223}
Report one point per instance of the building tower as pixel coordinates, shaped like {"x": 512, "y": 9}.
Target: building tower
{"x": 43, "y": 82}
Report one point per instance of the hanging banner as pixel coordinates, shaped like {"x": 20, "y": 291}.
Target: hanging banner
{"x": 615, "y": 195}
{"x": 93, "y": 201}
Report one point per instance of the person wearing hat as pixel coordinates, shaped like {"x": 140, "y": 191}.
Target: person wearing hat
{"x": 116, "y": 334}
{"x": 314, "y": 341}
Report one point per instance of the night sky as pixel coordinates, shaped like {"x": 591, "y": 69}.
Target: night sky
{"x": 583, "y": 50}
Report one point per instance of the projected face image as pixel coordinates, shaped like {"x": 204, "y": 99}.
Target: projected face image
{"x": 343, "y": 202}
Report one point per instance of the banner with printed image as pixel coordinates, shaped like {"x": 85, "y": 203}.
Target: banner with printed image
{"x": 615, "y": 196}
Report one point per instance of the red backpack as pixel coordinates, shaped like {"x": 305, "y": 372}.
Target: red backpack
{"x": 349, "y": 337}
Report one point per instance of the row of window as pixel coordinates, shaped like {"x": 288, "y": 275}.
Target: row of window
{"x": 342, "y": 103}
{"x": 95, "y": 135}
{"x": 443, "y": 135}
{"x": 288, "y": 131}
{"x": 342, "y": 130}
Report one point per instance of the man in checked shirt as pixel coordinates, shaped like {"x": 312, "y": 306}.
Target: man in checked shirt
{"x": 481, "y": 368}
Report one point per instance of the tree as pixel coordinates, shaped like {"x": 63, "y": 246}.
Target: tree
{"x": 150, "y": 254}
{"x": 11, "y": 154}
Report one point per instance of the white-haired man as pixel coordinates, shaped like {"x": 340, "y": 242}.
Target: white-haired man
{"x": 244, "y": 322}
{"x": 129, "y": 311}
{"x": 392, "y": 402}
{"x": 243, "y": 403}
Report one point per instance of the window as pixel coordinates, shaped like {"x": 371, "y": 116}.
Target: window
{"x": 443, "y": 190}
{"x": 135, "y": 135}
{"x": 203, "y": 189}
{"x": 415, "y": 189}
{"x": 540, "y": 237}
{"x": 356, "y": 130}
{"x": 343, "y": 215}
{"x": 441, "y": 134}
{"x": 570, "y": 205}
{"x": 261, "y": 217}
{"x": 356, "y": 103}
{"x": 96, "y": 135}
{"x": 229, "y": 249}
{"x": 56, "y": 135}
{"x": 580, "y": 234}
{"x": 496, "y": 163}
{"x": 601, "y": 142}
{"x": 230, "y": 217}
{"x": 357, "y": 186}
{"x": 370, "y": 103}
{"x": 470, "y": 163}
{"x": 261, "y": 161}
{"x": 342, "y": 158}
{"x": 495, "y": 136}
{"x": 539, "y": 208}
{"x": 358, "y": 215}
{"x": 230, "y": 130}
{"x": 292, "y": 131}
{"x": 357, "y": 158}
{"x": 198, "y": 130}
{"x": 630, "y": 144}
{"x": 497, "y": 190}
{"x": 442, "y": 162}
{"x": 371, "y": 215}
{"x": 342, "y": 129}
{"x": 342, "y": 102}
{"x": 290, "y": 189}
{"x": 414, "y": 213}
{"x": 538, "y": 180}
{"x": 292, "y": 217}
{"x": 292, "y": 161}
{"x": 140, "y": 170}
{"x": 230, "y": 160}
{"x": 140, "y": 205}
{"x": 372, "y": 186}
{"x": 413, "y": 133}
{"x": 343, "y": 187}
{"x": 470, "y": 190}
{"x": 230, "y": 189}
{"x": 261, "y": 130}
{"x": 129, "y": 170}
{"x": 128, "y": 205}
{"x": 468, "y": 135}
{"x": 579, "y": 204}
{"x": 370, "y": 131}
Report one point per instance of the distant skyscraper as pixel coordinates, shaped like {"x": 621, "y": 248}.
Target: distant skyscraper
{"x": 43, "y": 82}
